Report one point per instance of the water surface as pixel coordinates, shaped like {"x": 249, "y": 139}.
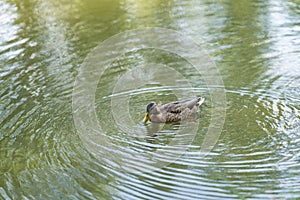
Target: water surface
{"x": 255, "y": 46}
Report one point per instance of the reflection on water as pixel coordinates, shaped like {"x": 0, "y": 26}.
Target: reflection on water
{"x": 255, "y": 45}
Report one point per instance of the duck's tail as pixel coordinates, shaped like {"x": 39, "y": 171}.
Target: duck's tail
{"x": 200, "y": 101}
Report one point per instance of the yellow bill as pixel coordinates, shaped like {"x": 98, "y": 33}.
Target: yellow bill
{"x": 146, "y": 118}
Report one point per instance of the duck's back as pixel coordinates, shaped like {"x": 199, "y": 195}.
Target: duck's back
{"x": 181, "y": 110}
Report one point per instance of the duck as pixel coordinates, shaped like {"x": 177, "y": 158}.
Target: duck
{"x": 173, "y": 111}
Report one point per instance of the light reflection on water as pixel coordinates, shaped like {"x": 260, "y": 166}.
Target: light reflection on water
{"x": 255, "y": 45}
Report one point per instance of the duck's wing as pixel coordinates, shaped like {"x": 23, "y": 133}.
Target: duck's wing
{"x": 179, "y": 106}
{"x": 173, "y": 107}
{"x": 191, "y": 103}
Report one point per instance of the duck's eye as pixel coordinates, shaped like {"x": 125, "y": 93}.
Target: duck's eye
{"x": 149, "y": 106}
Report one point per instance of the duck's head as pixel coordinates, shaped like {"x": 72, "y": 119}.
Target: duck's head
{"x": 150, "y": 107}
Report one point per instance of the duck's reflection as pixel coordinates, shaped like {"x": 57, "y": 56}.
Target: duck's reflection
{"x": 154, "y": 128}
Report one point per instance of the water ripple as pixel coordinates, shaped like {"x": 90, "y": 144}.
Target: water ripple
{"x": 254, "y": 43}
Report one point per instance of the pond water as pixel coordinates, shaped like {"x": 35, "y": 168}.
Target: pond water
{"x": 71, "y": 111}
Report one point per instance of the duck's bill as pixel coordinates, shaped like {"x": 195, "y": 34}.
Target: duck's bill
{"x": 146, "y": 118}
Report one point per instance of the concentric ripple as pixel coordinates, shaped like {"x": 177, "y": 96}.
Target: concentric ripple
{"x": 255, "y": 45}
{"x": 99, "y": 61}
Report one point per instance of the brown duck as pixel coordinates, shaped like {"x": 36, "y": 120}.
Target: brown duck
{"x": 173, "y": 111}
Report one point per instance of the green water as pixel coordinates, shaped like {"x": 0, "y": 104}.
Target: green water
{"x": 43, "y": 48}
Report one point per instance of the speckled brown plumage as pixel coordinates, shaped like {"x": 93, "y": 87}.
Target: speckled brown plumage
{"x": 172, "y": 112}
